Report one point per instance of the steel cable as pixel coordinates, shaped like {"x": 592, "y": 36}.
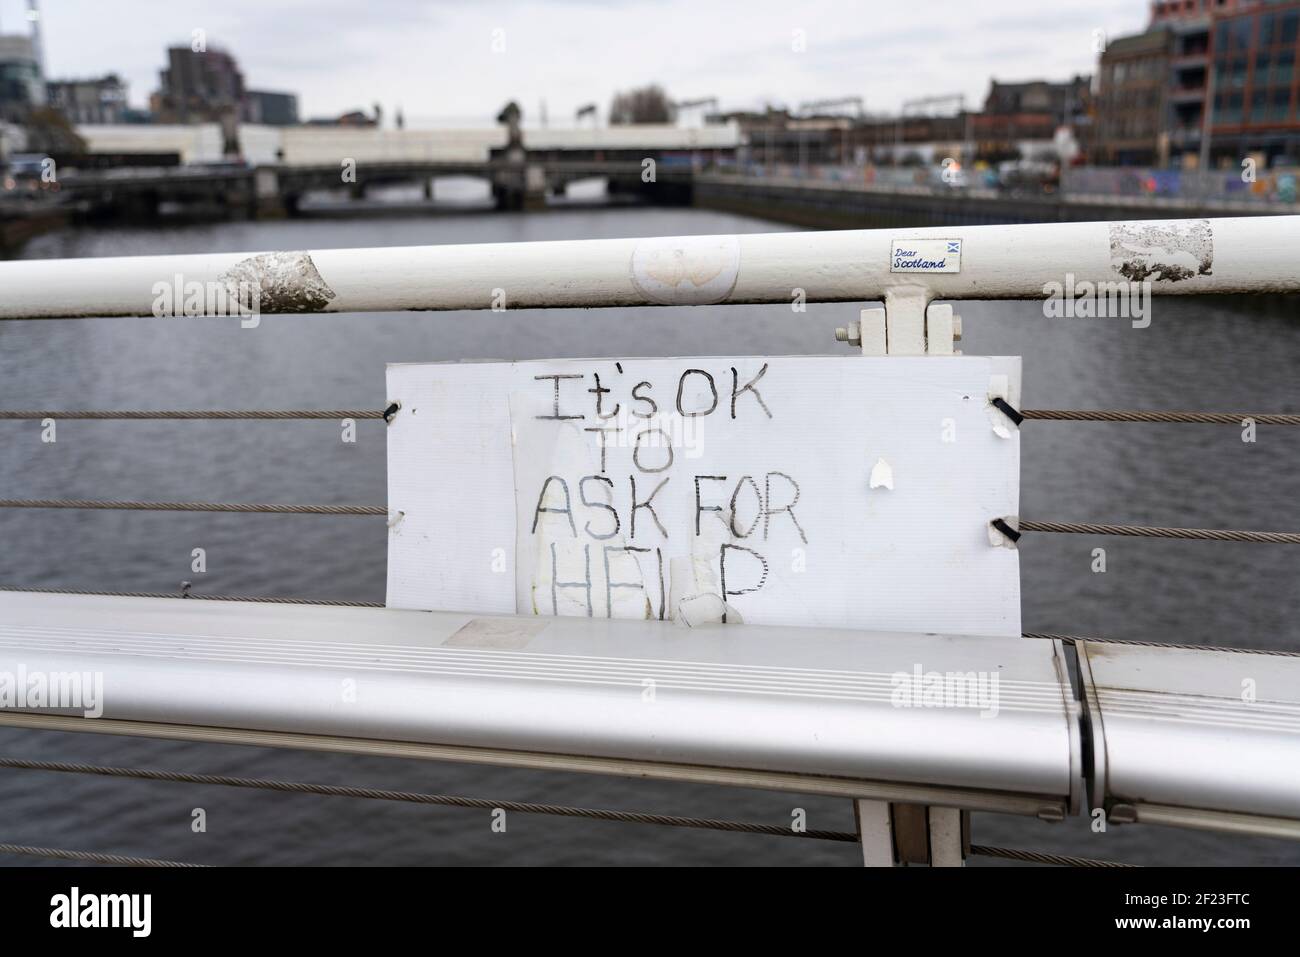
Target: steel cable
{"x": 483, "y": 804}
{"x": 1058, "y": 415}
{"x": 196, "y": 506}
{"x": 199, "y": 414}
{"x": 268, "y": 599}
{"x": 1036, "y": 857}
{"x": 1078, "y": 528}
{"x": 1209, "y": 418}
{"x": 412, "y": 797}
{"x": 1156, "y": 531}
{"x": 90, "y": 857}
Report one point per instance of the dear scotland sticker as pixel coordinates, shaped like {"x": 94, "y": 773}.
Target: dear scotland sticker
{"x": 925, "y": 255}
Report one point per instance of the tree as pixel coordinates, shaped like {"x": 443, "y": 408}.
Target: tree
{"x": 48, "y": 131}
{"x": 647, "y": 104}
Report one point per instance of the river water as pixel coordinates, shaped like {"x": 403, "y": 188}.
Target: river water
{"x": 1204, "y": 354}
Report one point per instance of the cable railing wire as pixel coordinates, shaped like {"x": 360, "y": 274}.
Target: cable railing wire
{"x": 1077, "y": 528}
{"x": 278, "y": 509}
{"x": 89, "y": 857}
{"x": 482, "y": 804}
{"x": 1157, "y": 531}
{"x": 1057, "y": 415}
{"x": 265, "y": 599}
{"x": 1198, "y": 418}
{"x": 196, "y": 414}
{"x": 1037, "y": 857}
{"x": 122, "y": 860}
{"x": 416, "y": 797}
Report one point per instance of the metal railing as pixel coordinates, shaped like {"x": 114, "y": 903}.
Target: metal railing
{"x": 1236, "y": 255}
{"x": 1227, "y": 256}
{"x": 1265, "y": 187}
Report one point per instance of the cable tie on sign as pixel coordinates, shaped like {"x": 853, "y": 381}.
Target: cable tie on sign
{"x": 391, "y": 411}
{"x": 1007, "y": 409}
{"x": 1005, "y": 529}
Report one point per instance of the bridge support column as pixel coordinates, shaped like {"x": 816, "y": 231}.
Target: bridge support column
{"x": 140, "y": 206}
{"x": 268, "y": 202}
{"x": 520, "y": 187}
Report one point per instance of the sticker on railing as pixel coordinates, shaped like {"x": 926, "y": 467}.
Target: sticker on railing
{"x": 686, "y": 270}
{"x": 843, "y": 492}
{"x": 925, "y": 255}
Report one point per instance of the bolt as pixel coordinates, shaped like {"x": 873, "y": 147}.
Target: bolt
{"x": 852, "y": 335}
{"x": 956, "y": 327}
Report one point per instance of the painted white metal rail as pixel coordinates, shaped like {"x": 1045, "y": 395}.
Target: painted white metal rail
{"x": 1179, "y": 257}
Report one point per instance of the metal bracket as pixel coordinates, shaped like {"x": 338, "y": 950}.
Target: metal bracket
{"x": 899, "y": 835}
{"x": 908, "y": 325}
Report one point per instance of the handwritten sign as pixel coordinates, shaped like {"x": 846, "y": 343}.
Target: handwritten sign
{"x": 925, "y": 255}
{"x": 841, "y": 492}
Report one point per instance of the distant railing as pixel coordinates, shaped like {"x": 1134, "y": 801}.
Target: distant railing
{"x": 1236, "y": 184}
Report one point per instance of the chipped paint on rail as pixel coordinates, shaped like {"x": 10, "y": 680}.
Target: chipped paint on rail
{"x": 1162, "y": 251}
{"x": 288, "y": 282}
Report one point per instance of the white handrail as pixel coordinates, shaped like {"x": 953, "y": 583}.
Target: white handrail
{"x": 1234, "y": 255}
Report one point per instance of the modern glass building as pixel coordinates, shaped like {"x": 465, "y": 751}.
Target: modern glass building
{"x": 1253, "y": 50}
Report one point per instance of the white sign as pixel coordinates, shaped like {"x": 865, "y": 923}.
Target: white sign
{"x": 925, "y": 255}
{"x": 842, "y": 492}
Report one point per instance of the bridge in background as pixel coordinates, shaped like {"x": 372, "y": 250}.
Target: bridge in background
{"x": 280, "y": 166}
{"x": 706, "y": 166}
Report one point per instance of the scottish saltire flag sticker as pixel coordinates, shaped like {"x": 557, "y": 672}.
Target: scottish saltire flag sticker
{"x": 925, "y": 255}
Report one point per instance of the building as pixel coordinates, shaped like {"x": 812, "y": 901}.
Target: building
{"x": 913, "y": 139}
{"x": 1211, "y": 81}
{"x": 95, "y": 101}
{"x": 22, "y": 87}
{"x": 198, "y": 87}
{"x": 777, "y": 137}
{"x": 1253, "y": 50}
{"x": 1131, "y": 101}
{"x": 1061, "y": 101}
{"x": 1020, "y": 120}
{"x": 272, "y": 109}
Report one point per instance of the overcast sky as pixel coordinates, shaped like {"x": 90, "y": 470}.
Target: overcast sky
{"x": 436, "y": 60}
